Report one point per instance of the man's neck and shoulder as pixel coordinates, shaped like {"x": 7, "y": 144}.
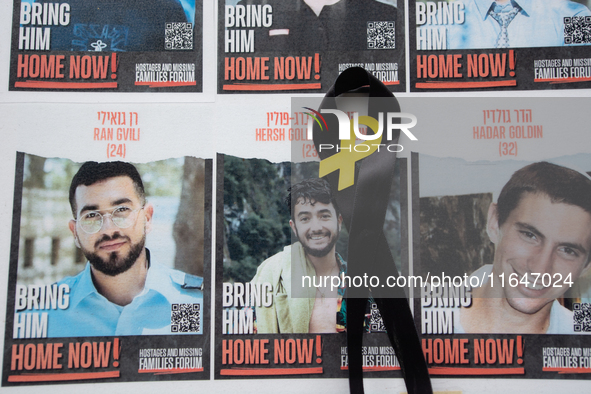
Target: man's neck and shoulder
{"x": 150, "y": 276}
{"x": 274, "y": 266}
{"x": 495, "y": 316}
{"x": 281, "y": 262}
{"x": 305, "y": 314}
{"x": 561, "y": 320}
{"x": 490, "y": 312}
{"x": 175, "y": 285}
{"x": 285, "y": 314}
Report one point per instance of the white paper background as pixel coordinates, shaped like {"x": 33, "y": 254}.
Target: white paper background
{"x": 174, "y": 125}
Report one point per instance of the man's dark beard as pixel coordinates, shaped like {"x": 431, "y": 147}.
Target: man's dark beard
{"x": 318, "y": 252}
{"x": 115, "y": 266}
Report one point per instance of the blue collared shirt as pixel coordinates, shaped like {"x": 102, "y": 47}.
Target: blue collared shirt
{"x": 91, "y": 314}
{"x": 539, "y": 23}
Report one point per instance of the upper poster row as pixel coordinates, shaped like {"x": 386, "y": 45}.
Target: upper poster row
{"x": 285, "y": 46}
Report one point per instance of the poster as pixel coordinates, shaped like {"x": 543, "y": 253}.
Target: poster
{"x": 542, "y": 121}
{"x": 265, "y": 328}
{"x": 107, "y": 46}
{"x": 462, "y": 229}
{"x": 117, "y": 294}
{"x": 460, "y": 45}
{"x": 533, "y": 329}
{"x": 290, "y": 46}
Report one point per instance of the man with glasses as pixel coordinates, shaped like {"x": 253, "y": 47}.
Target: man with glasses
{"x": 120, "y": 291}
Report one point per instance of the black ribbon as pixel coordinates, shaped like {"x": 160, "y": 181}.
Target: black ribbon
{"x": 363, "y": 207}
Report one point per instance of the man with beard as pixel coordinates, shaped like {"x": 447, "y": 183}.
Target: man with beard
{"x": 120, "y": 291}
{"x": 316, "y": 223}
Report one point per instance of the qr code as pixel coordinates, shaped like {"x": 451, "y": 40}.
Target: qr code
{"x": 178, "y": 36}
{"x": 577, "y": 30}
{"x": 582, "y": 317}
{"x": 185, "y": 318}
{"x": 376, "y": 324}
{"x": 381, "y": 35}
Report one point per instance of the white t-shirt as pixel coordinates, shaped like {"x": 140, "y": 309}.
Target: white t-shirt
{"x": 561, "y": 319}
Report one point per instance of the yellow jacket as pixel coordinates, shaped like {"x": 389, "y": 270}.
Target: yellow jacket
{"x": 292, "y": 304}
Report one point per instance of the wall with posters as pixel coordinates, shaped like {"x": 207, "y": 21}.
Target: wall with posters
{"x": 198, "y": 95}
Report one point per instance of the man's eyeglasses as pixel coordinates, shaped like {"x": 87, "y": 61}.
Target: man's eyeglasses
{"x": 122, "y": 217}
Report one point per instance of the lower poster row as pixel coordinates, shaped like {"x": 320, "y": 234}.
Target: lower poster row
{"x": 111, "y": 279}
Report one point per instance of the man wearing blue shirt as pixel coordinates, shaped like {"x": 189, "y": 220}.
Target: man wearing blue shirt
{"x": 516, "y": 23}
{"x": 120, "y": 292}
